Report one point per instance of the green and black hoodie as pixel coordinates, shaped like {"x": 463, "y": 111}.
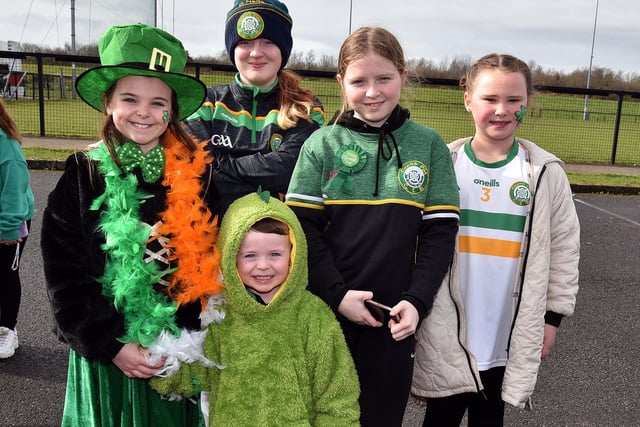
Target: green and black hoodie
{"x": 379, "y": 207}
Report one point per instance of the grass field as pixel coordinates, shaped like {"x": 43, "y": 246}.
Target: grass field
{"x": 574, "y": 178}
{"x": 555, "y": 122}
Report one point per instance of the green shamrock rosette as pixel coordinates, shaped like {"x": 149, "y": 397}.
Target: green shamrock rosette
{"x": 350, "y": 160}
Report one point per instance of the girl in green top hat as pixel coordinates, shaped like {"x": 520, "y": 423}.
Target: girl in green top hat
{"x": 127, "y": 238}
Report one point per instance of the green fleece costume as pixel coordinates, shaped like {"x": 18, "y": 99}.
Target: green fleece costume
{"x": 285, "y": 363}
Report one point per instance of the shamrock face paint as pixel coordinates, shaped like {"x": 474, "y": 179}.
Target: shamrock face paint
{"x": 520, "y": 114}
{"x": 165, "y": 116}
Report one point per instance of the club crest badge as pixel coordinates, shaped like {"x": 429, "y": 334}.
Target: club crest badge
{"x": 520, "y": 194}
{"x": 413, "y": 177}
{"x": 250, "y": 25}
{"x": 275, "y": 141}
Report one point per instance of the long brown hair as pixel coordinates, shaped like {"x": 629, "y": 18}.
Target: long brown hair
{"x": 295, "y": 101}
{"x": 367, "y": 40}
{"x": 8, "y": 124}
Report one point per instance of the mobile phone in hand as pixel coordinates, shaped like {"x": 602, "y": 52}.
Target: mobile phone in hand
{"x": 379, "y": 311}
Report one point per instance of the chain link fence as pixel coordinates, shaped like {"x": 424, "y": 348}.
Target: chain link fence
{"x": 578, "y": 125}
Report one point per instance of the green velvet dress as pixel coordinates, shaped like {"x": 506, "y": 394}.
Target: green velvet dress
{"x": 97, "y": 392}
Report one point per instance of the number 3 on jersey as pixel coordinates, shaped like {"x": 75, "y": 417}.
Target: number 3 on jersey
{"x": 486, "y": 196}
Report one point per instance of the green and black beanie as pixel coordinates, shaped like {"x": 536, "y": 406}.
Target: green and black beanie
{"x": 253, "y": 19}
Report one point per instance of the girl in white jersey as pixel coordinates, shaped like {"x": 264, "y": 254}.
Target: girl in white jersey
{"x": 516, "y": 270}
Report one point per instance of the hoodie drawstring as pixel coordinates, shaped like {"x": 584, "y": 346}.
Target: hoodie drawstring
{"x": 385, "y": 151}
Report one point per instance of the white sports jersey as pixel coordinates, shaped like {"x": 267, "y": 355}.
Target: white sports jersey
{"x": 494, "y": 201}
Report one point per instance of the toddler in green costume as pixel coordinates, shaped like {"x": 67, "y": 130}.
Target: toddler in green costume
{"x": 280, "y": 354}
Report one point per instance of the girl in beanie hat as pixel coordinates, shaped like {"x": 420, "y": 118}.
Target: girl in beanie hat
{"x": 127, "y": 238}
{"x": 256, "y": 124}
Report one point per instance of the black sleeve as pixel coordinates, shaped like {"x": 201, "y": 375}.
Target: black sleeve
{"x": 199, "y": 128}
{"x": 553, "y": 319}
{"x": 325, "y": 280}
{"x": 73, "y": 260}
{"x": 434, "y": 254}
{"x": 270, "y": 170}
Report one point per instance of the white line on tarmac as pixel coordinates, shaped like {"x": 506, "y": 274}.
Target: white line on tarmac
{"x": 608, "y": 212}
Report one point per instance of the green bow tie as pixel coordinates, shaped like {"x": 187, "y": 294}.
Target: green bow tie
{"x": 151, "y": 163}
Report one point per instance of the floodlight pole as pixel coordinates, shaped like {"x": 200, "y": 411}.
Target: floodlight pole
{"x": 73, "y": 48}
{"x": 350, "y": 14}
{"x": 585, "y": 115}
{"x": 160, "y": 21}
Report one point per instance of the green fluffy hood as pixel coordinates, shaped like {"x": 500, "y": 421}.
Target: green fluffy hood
{"x": 237, "y": 221}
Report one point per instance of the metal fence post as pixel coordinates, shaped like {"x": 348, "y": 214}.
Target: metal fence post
{"x": 616, "y": 129}
{"x": 43, "y": 131}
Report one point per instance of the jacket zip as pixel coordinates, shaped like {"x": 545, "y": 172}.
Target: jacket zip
{"x": 254, "y": 110}
{"x": 476, "y": 380}
{"x": 524, "y": 262}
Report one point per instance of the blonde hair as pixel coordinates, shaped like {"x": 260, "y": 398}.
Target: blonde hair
{"x": 494, "y": 61}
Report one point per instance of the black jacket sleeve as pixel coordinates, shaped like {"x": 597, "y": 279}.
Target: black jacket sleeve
{"x": 270, "y": 170}
{"x": 73, "y": 260}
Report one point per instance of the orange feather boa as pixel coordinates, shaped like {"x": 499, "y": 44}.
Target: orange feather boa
{"x": 188, "y": 223}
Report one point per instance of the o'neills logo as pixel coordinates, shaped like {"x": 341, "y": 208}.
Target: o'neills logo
{"x": 520, "y": 194}
{"x": 485, "y": 183}
{"x": 250, "y": 25}
{"x": 413, "y": 177}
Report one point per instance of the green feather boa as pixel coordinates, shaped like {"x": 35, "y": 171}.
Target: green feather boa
{"x": 128, "y": 280}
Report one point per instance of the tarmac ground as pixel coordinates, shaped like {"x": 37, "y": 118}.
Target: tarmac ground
{"x": 590, "y": 379}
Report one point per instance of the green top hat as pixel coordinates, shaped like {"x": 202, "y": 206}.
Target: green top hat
{"x": 141, "y": 50}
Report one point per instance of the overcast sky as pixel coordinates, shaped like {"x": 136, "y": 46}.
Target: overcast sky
{"x": 556, "y": 34}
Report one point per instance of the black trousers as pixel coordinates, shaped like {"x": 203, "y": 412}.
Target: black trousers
{"x": 385, "y": 368}
{"x": 486, "y": 409}
{"x": 10, "y": 288}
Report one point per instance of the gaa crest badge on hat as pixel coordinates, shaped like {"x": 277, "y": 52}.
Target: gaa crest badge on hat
{"x": 250, "y": 25}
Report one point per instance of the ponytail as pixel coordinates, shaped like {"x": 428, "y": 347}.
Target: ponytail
{"x": 295, "y": 101}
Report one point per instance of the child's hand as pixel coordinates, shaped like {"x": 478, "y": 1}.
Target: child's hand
{"x": 11, "y": 242}
{"x": 352, "y": 307}
{"x": 132, "y": 362}
{"x": 408, "y": 323}
{"x": 549, "y": 341}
